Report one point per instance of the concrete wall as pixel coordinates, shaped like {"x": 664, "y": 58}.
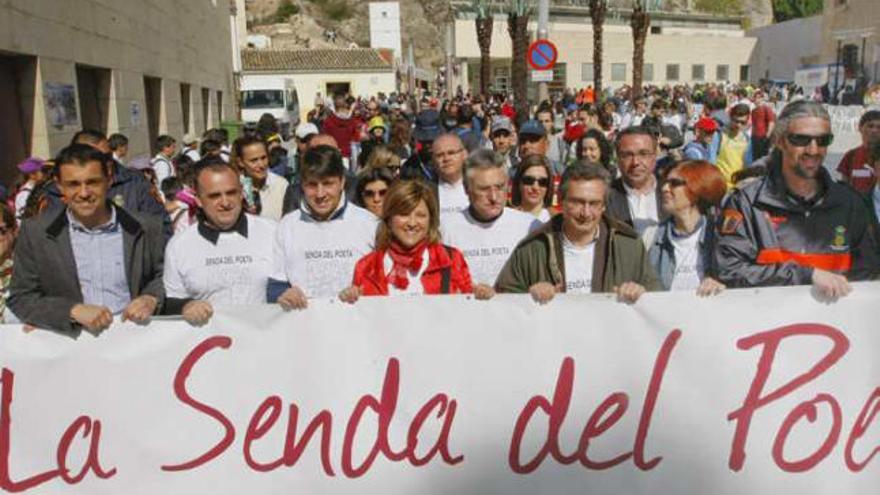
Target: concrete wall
{"x": 682, "y": 46}
{"x": 783, "y": 48}
{"x": 172, "y": 40}
{"x": 853, "y": 15}
{"x": 310, "y": 84}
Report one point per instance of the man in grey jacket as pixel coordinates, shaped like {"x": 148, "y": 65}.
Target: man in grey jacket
{"x": 78, "y": 267}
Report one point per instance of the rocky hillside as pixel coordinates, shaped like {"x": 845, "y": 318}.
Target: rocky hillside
{"x": 422, "y": 22}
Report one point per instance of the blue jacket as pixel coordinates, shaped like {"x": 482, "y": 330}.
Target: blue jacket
{"x": 696, "y": 151}
{"x": 662, "y": 252}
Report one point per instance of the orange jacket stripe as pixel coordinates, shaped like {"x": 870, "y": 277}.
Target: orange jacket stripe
{"x": 841, "y": 262}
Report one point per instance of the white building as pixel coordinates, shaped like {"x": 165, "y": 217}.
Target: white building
{"x": 325, "y": 72}
{"x": 680, "y": 48}
{"x": 385, "y": 27}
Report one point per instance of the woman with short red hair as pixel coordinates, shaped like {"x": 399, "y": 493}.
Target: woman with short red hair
{"x": 682, "y": 250}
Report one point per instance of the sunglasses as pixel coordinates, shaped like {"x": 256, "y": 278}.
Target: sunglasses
{"x": 802, "y": 140}
{"x": 529, "y": 180}
{"x": 674, "y": 182}
{"x": 375, "y": 194}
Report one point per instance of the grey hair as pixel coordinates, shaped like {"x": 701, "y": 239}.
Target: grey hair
{"x": 798, "y": 110}
{"x": 584, "y": 172}
{"x": 481, "y": 159}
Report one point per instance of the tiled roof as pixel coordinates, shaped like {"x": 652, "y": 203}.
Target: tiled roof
{"x": 316, "y": 60}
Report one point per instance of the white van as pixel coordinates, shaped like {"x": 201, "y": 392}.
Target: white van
{"x": 276, "y": 95}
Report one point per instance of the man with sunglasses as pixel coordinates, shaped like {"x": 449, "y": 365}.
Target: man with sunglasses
{"x": 796, "y": 226}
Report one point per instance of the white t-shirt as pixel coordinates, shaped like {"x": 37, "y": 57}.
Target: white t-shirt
{"x": 319, "y": 256}
{"x": 578, "y": 267}
{"x": 452, "y": 196}
{"x": 486, "y": 245}
{"x": 643, "y": 208}
{"x": 688, "y": 265}
{"x": 235, "y": 270}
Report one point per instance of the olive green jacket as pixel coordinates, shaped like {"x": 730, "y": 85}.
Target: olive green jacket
{"x": 620, "y": 257}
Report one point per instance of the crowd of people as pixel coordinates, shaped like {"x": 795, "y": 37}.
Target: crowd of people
{"x": 676, "y": 189}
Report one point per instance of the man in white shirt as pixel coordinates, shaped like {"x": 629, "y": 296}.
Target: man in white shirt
{"x": 317, "y": 246}
{"x": 162, "y": 165}
{"x": 634, "y": 198}
{"x": 448, "y": 154}
{"x": 266, "y": 194}
{"x": 225, "y": 258}
{"x": 486, "y": 232}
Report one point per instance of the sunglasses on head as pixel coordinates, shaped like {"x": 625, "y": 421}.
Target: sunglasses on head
{"x": 529, "y": 180}
{"x": 801, "y": 140}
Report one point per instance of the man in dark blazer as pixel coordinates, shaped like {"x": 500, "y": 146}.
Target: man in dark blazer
{"x": 637, "y": 159}
{"x": 77, "y": 267}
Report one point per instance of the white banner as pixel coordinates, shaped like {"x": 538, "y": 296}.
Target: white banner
{"x": 749, "y": 392}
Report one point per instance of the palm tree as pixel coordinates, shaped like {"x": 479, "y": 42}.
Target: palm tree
{"x": 518, "y": 28}
{"x": 485, "y": 25}
{"x": 598, "y": 9}
{"x": 639, "y": 22}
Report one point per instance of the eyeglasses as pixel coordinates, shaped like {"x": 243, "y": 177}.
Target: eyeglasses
{"x": 528, "y": 180}
{"x": 375, "y": 194}
{"x": 742, "y": 122}
{"x": 803, "y": 140}
{"x": 674, "y": 182}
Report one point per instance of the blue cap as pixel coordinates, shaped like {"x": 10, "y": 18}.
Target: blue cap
{"x": 532, "y": 128}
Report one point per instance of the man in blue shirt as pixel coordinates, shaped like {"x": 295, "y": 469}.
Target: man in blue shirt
{"x": 79, "y": 266}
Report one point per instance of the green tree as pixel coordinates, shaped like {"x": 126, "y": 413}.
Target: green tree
{"x": 518, "y": 28}
{"x": 285, "y": 10}
{"x": 784, "y": 10}
{"x": 720, "y": 7}
{"x": 485, "y": 24}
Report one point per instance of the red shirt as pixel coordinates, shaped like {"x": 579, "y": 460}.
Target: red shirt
{"x": 854, "y": 167}
{"x": 369, "y": 273}
{"x": 762, "y": 117}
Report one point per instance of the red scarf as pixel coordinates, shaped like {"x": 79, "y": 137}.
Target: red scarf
{"x": 405, "y": 261}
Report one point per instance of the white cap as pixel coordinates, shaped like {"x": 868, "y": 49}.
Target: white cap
{"x": 305, "y": 130}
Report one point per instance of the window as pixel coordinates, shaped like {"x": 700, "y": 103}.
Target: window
{"x": 648, "y": 72}
{"x": 258, "y": 99}
{"x": 587, "y": 72}
{"x": 672, "y": 72}
{"x": 743, "y": 73}
{"x": 656, "y": 30}
{"x": 618, "y": 72}
{"x": 698, "y": 72}
{"x": 722, "y": 73}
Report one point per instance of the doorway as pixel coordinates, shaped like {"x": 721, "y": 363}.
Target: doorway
{"x": 17, "y": 92}
{"x": 338, "y": 88}
{"x": 153, "y": 101}
{"x": 93, "y": 90}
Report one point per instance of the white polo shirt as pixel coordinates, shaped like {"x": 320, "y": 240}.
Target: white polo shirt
{"x": 221, "y": 267}
{"x": 319, "y": 256}
{"x": 486, "y": 245}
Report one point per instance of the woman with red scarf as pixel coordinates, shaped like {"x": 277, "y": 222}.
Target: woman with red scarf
{"x": 409, "y": 258}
